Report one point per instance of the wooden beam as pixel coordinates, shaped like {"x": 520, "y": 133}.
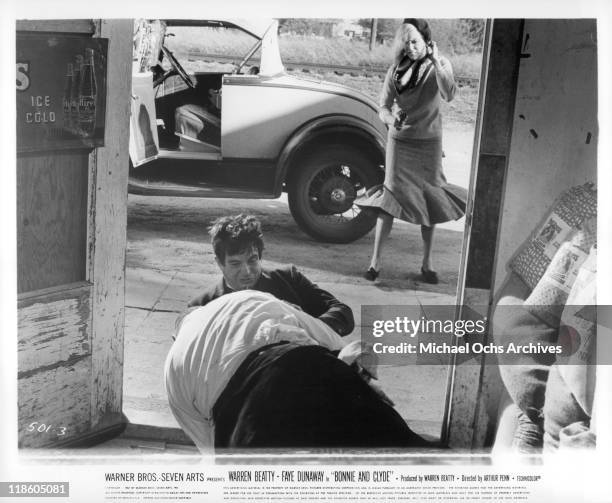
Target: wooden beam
{"x": 108, "y": 222}
{"x": 77, "y": 26}
{"x": 467, "y": 414}
{"x": 498, "y": 118}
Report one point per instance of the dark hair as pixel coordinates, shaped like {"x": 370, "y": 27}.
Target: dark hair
{"x": 232, "y": 235}
{"x": 421, "y": 25}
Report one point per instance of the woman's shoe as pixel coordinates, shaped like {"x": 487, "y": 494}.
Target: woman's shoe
{"x": 429, "y": 276}
{"x": 371, "y": 274}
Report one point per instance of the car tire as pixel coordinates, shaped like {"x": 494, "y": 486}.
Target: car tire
{"x": 322, "y": 188}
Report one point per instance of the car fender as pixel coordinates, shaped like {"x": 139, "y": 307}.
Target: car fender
{"x": 328, "y": 126}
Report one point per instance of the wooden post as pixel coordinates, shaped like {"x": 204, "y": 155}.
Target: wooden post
{"x": 466, "y": 419}
{"x": 108, "y": 210}
{"x": 373, "y": 29}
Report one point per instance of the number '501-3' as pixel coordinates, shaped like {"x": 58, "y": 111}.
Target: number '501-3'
{"x": 44, "y": 428}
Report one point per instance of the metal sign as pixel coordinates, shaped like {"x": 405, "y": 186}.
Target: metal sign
{"x": 61, "y": 92}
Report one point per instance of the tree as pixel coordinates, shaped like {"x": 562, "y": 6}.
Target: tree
{"x": 473, "y": 31}
{"x": 314, "y": 26}
{"x": 385, "y": 28}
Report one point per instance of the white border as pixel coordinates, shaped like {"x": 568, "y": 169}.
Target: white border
{"x": 597, "y": 487}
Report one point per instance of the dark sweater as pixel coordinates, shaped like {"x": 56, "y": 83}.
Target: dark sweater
{"x": 292, "y": 286}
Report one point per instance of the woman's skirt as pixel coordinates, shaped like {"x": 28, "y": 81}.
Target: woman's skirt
{"x": 415, "y": 189}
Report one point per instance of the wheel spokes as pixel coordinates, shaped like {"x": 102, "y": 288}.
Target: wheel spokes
{"x": 346, "y": 177}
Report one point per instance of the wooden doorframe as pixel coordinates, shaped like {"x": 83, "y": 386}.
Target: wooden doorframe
{"x": 108, "y": 168}
{"x": 470, "y": 413}
{"x": 537, "y": 138}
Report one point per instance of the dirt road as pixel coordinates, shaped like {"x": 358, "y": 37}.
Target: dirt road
{"x": 169, "y": 233}
{"x": 169, "y": 260}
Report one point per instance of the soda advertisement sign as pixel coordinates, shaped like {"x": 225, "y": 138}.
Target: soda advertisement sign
{"x": 61, "y": 92}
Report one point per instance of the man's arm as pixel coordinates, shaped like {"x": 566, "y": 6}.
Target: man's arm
{"x": 210, "y": 294}
{"x": 200, "y": 300}
{"x": 322, "y": 304}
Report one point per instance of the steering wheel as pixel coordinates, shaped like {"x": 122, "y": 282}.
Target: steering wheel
{"x": 176, "y": 66}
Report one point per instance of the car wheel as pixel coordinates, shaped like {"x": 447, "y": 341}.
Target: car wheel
{"x": 322, "y": 190}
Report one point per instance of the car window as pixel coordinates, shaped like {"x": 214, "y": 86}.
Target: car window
{"x": 210, "y": 49}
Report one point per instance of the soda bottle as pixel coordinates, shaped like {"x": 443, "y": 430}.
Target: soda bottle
{"x": 66, "y": 98}
{"x": 87, "y": 95}
{"x": 74, "y": 94}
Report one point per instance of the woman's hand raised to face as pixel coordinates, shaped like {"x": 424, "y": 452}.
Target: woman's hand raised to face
{"x": 432, "y": 52}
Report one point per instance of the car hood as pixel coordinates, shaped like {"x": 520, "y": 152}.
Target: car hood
{"x": 324, "y": 86}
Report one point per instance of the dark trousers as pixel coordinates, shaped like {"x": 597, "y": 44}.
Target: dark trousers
{"x": 287, "y": 396}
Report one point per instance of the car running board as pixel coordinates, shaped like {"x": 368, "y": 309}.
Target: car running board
{"x": 161, "y": 188}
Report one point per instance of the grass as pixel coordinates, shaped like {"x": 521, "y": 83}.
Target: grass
{"x": 462, "y": 110}
{"x": 300, "y": 49}
{"x": 341, "y": 52}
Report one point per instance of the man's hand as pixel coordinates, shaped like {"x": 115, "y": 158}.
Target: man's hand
{"x": 362, "y": 357}
{"x": 295, "y": 306}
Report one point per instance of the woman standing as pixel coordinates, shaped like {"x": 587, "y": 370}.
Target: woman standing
{"x": 415, "y": 189}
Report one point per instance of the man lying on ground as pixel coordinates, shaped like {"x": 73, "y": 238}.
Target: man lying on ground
{"x": 249, "y": 370}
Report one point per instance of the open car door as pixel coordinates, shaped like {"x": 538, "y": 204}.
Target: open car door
{"x": 144, "y": 142}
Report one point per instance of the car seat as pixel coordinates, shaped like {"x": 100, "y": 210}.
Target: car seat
{"x": 197, "y": 128}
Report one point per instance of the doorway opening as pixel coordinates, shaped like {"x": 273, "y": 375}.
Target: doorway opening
{"x": 169, "y": 259}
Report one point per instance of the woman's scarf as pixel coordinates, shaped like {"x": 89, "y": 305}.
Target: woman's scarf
{"x": 409, "y": 74}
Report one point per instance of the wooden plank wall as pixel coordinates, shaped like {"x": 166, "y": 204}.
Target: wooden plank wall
{"x": 54, "y": 306}
{"x": 70, "y": 336}
{"x": 108, "y": 218}
{"x": 54, "y": 365}
{"x": 51, "y": 219}
{"x": 555, "y": 136}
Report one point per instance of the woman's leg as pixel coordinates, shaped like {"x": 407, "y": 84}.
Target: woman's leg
{"x": 427, "y": 235}
{"x": 383, "y": 228}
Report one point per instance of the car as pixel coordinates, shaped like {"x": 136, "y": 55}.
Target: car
{"x": 249, "y": 129}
